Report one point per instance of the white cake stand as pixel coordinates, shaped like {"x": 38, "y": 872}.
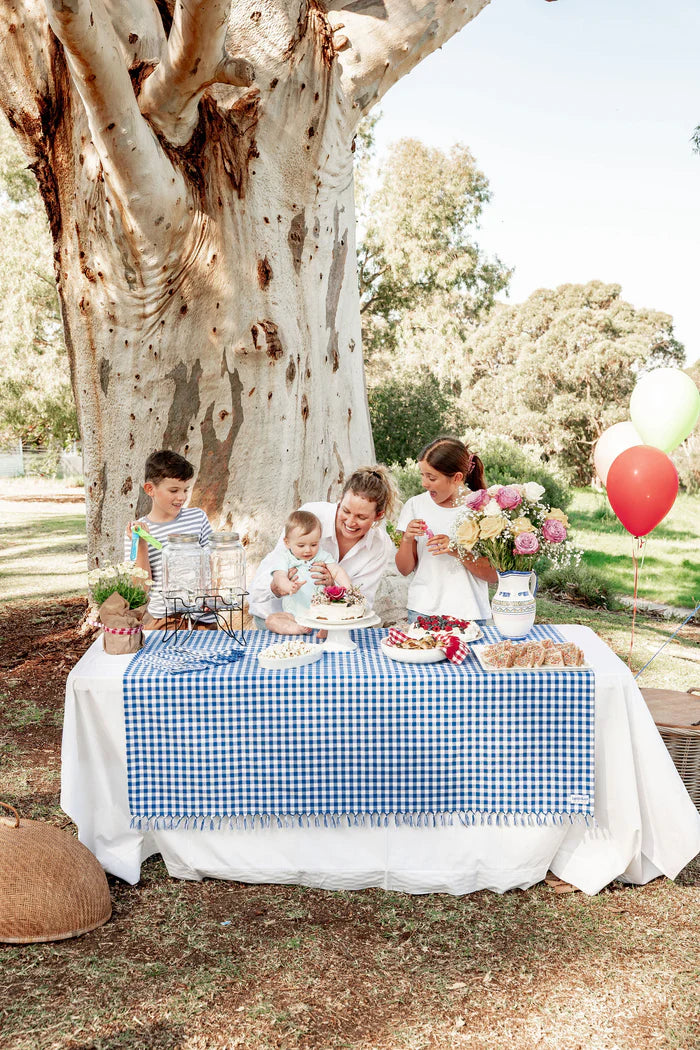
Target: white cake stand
{"x": 339, "y": 640}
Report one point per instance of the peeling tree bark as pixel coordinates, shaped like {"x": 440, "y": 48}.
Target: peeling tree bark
{"x": 195, "y": 160}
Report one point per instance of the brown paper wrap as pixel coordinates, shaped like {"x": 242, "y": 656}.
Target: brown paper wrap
{"x": 115, "y": 615}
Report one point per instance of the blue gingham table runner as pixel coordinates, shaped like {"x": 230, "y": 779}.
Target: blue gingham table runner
{"x": 354, "y": 738}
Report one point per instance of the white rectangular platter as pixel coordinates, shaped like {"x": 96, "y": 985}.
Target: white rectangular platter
{"x": 510, "y": 670}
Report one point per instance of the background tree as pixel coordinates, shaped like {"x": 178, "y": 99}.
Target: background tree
{"x": 408, "y": 412}
{"x": 424, "y": 280}
{"x": 36, "y": 400}
{"x": 558, "y": 369}
{"x": 195, "y": 160}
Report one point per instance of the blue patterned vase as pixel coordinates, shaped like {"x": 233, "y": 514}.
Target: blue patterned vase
{"x": 513, "y": 605}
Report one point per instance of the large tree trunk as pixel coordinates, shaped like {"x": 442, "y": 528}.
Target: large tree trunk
{"x": 204, "y": 233}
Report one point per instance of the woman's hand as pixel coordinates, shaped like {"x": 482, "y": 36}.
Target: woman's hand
{"x": 440, "y": 545}
{"x": 321, "y": 574}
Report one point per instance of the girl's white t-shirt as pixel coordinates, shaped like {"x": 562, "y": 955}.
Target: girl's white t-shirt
{"x": 440, "y": 585}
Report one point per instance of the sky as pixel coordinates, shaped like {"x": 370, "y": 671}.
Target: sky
{"x": 580, "y": 114}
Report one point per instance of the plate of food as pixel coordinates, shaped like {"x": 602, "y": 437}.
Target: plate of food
{"x": 294, "y": 653}
{"x": 542, "y": 655}
{"x": 466, "y": 630}
{"x": 412, "y": 655}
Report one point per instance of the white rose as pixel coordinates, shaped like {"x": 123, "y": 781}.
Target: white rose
{"x": 491, "y": 510}
{"x": 494, "y": 489}
{"x": 533, "y": 491}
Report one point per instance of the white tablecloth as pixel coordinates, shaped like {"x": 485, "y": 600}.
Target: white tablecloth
{"x": 647, "y": 824}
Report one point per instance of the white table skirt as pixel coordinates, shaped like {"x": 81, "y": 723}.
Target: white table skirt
{"x": 647, "y": 824}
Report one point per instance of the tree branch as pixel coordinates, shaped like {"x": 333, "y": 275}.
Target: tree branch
{"x": 387, "y": 38}
{"x": 24, "y": 82}
{"x": 139, "y": 27}
{"x": 125, "y": 144}
{"x": 195, "y": 57}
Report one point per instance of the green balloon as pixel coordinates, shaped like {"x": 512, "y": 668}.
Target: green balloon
{"x": 664, "y": 407}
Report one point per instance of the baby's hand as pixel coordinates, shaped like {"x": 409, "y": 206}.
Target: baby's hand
{"x": 295, "y": 584}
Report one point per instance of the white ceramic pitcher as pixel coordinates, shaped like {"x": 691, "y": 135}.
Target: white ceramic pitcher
{"x": 513, "y": 605}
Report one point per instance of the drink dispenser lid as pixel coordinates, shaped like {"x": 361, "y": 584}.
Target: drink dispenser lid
{"x": 224, "y": 537}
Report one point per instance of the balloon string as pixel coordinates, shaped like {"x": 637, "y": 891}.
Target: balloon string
{"x": 639, "y": 545}
{"x": 670, "y": 638}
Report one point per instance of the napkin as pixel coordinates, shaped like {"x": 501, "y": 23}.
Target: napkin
{"x": 454, "y": 648}
{"x": 180, "y": 659}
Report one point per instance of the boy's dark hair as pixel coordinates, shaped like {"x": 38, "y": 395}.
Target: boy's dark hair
{"x": 304, "y": 520}
{"x": 166, "y": 464}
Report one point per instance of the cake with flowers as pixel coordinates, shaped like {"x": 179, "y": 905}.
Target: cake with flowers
{"x": 338, "y": 604}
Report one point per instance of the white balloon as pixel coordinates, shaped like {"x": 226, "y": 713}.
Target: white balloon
{"x": 616, "y": 439}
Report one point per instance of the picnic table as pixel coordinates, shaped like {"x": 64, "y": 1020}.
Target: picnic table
{"x": 356, "y": 771}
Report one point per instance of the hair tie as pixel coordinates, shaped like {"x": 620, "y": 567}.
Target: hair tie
{"x": 470, "y": 463}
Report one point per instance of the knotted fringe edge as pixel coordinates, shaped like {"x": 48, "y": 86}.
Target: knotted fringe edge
{"x": 250, "y": 821}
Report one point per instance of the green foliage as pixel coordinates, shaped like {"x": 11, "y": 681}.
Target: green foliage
{"x": 407, "y": 478}
{"x": 36, "y": 400}
{"x": 408, "y": 412}
{"x": 579, "y": 584}
{"x": 394, "y": 534}
{"x": 118, "y": 579}
{"x": 424, "y": 281}
{"x": 507, "y": 463}
{"x": 558, "y": 369}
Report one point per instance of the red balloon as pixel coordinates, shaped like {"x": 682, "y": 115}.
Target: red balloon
{"x": 642, "y": 486}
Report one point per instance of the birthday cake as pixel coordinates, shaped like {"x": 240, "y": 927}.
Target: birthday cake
{"x": 338, "y": 604}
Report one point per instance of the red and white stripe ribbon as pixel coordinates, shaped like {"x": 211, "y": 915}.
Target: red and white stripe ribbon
{"x": 115, "y": 630}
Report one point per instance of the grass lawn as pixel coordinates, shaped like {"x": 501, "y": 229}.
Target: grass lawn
{"x": 670, "y": 572}
{"x": 42, "y": 549}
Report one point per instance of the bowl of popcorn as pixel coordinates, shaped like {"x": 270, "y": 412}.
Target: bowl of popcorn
{"x": 293, "y": 653}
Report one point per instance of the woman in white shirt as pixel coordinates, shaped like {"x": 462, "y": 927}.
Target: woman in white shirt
{"x": 352, "y": 531}
{"x": 442, "y": 583}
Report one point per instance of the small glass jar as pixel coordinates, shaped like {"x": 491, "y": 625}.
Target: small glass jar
{"x": 226, "y": 568}
{"x": 185, "y": 573}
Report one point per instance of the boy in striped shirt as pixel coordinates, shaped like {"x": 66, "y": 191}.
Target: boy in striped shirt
{"x": 168, "y": 479}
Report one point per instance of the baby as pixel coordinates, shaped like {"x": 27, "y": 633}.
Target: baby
{"x": 291, "y": 574}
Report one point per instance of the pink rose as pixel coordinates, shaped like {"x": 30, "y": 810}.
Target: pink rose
{"x": 526, "y": 543}
{"x": 508, "y": 497}
{"x": 553, "y": 531}
{"x": 335, "y": 593}
{"x": 476, "y": 500}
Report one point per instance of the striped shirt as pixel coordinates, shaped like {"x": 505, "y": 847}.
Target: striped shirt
{"x": 190, "y": 520}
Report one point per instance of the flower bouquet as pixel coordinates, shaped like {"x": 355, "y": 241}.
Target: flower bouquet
{"x": 512, "y": 528}
{"x": 120, "y": 595}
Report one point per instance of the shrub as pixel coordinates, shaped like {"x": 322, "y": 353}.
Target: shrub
{"x": 507, "y": 463}
{"x": 407, "y": 478}
{"x": 408, "y": 413}
{"x": 578, "y": 584}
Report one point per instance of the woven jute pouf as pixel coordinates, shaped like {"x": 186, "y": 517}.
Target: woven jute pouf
{"x": 51, "y": 886}
{"x": 677, "y": 717}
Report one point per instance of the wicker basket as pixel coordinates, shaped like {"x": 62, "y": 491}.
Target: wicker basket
{"x": 51, "y": 886}
{"x": 677, "y": 717}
